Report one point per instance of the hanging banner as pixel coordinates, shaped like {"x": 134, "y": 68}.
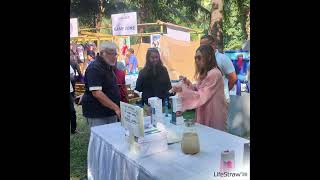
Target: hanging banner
{"x": 178, "y": 35}
{"x": 74, "y": 27}
{"x": 124, "y": 24}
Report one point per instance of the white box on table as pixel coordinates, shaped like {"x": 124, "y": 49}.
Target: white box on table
{"x": 174, "y": 131}
{"x": 151, "y": 143}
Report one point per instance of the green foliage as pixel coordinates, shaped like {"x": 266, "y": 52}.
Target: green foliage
{"x": 232, "y": 32}
{"x": 194, "y": 14}
{"x": 85, "y": 11}
{"x": 233, "y": 44}
{"x": 167, "y": 10}
{"x": 78, "y": 148}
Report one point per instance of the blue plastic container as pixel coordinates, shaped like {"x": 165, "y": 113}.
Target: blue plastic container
{"x": 242, "y": 70}
{"x": 233, "y": 54}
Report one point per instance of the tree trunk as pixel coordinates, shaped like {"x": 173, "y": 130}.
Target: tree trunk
{"x": 101, "y": 10}
{"x": 216, "y": 23}
{"x": 243, "y": 12}
{"x": 248, "y": 24}
{"x": 94, "y": 19}
{"x": 143, "y": 11}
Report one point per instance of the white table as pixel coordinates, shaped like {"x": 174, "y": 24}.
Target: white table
{"x": 109, "y": 157}
{"x": 239, "y": 115}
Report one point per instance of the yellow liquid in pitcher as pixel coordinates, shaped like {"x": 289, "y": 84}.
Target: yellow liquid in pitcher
{"x": 190, "y": 143}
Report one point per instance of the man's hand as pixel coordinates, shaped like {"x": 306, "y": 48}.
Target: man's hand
{"x": 105, "y": 101}
{"x": 118, "y": 112}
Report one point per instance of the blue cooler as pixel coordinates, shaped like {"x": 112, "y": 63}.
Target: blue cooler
{"x": 240, "y": 67}
{"x": 241, "y": 63}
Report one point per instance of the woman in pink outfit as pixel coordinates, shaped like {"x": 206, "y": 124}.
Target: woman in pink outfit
{"x": 207, "y": 95}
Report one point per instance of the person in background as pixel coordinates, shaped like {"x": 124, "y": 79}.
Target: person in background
{"x": 132, "y": 62}
{"x": 101, "y": 100}
{"x": 91, "y": 51}
{"x": 120, "y": 75}
{"x": 207, "y": 95}
{"x": 153, "y": 80}
{"x": 124, "y": 49}
{"x": 90, "y": 58}
{"x": 73, "y": 115}
{"x": 98, "y": 54}
{"x": 121, "y": 66}
{"x": 224, "y": 63}
{"x": 76, "y": 67}
{"x": 80, "y": 53}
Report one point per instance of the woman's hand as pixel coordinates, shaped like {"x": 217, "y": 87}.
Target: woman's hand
{"x": 176, "y": 89}
{"x": 78, "y": 99}
{"x": 185, "y": 80}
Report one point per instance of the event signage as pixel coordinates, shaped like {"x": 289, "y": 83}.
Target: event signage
{"x": 74, "y": 27}
{"x": 132, "y": 119}
{"x": 124, "y": 24}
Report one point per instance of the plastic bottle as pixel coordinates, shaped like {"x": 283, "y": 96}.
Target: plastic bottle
{"x": 166, "y": 106}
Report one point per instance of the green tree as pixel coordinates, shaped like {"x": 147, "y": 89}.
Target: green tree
{"x": 243, "y": 7}
{"x": 92, "y": 13}
{"x": 235, "y": 23}
{"x": 174, "y": 11}
{"x": 86, "y": 12}
{"x": 216, "y": 23}
{"x": 227, "y": 20}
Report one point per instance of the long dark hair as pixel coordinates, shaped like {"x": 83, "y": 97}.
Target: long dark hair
{"x": 209, "y": 59}
{"x": 148, "y": 66}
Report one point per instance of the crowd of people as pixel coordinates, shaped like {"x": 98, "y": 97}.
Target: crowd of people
{"x": 209, "y": 95}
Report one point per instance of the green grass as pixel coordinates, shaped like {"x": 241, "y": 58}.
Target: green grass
{"x": 78, "y": 148}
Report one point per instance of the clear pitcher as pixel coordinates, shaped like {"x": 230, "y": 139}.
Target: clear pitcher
{"x": 190, "y": 140}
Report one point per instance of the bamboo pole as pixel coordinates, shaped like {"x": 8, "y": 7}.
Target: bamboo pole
{"x": 161, "y": 29}
{"x": 98, "y": 44}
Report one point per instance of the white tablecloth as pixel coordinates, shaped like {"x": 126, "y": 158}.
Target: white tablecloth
{"x": 109, "y": 157}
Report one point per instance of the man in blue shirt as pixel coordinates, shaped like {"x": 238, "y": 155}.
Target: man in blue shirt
{"x": 133, "y": 62}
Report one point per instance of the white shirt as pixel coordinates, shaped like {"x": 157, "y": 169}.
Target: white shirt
{"x": 226, "y": 66}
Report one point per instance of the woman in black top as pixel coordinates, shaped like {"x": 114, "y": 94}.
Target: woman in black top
{"x": 153, "y": 79}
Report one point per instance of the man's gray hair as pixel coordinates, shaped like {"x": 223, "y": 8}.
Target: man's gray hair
{"x": 108, "y": 45}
